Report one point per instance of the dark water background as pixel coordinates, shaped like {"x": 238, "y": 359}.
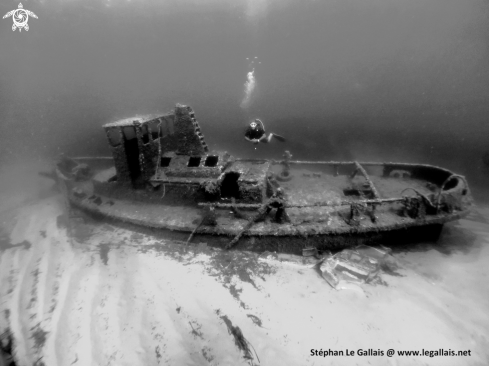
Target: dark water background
{"x": 373, "y": 80}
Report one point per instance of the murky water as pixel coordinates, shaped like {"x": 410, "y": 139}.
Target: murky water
{"x": 372, "y": 80}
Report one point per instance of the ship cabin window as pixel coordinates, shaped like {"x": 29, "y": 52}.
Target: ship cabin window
{"x": 194, "y": 161}
{"x": 145, "y": 133}
{"x": 114, "y": 136}
{"x": 165, "y": 161}
{"x": 129, "y": 133}
{"x": 154, "y": 128}
{"x": 211, "y": 160}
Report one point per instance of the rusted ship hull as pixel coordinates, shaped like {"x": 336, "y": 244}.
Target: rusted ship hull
{"x": 162, "y": 176}
{"x": 322, "y": 211}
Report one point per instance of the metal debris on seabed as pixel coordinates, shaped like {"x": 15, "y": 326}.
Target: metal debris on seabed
{"x": 360, "y": 265}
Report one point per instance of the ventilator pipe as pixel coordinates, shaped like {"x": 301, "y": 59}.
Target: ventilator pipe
{"x": 462, "y": 178}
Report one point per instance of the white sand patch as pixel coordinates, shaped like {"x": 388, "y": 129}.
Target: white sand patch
{"x": 117, "y": 298}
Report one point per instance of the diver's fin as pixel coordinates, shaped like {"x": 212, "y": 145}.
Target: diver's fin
{"x": 278, "y": 137}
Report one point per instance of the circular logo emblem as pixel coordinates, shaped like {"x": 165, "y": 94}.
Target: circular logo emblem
{"x": 20, "y": 18}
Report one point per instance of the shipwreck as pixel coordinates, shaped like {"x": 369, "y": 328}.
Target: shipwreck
{"x": 162, "y": 175}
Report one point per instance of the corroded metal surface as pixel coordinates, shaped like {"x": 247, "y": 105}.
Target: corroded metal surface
{"x": 164, "y": 177}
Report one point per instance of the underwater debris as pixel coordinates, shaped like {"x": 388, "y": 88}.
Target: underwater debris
{"x": 357, "y": 212}
{"x": 278, "y": 202}
{"x": 241, "y": 342}
{"x": 255, "y": 319}
{"x": 359, "y": 265}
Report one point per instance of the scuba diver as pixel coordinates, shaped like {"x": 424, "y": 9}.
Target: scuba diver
{"x": 255, "y": 133}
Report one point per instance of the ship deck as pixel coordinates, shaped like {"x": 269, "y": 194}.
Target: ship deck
{"x": 177, "y": 209}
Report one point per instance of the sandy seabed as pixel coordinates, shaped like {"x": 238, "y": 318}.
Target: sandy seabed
{"x": 75, "y": 292}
